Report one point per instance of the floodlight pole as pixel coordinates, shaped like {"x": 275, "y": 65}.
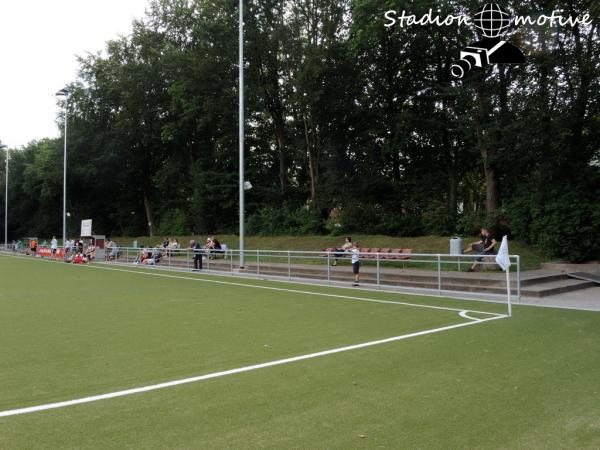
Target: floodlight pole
{"x": 241, "y": 128}
{"x": 64, "y": 237}
{"x": 65, "y": 93}
{"x": 6, "y": 204}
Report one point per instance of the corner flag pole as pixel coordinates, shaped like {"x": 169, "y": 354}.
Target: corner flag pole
{"x": 503, "y": 260}
{"x": 241, "y": 128}
{"x": 6, "y": 204}
{"x": 508, "y": 292}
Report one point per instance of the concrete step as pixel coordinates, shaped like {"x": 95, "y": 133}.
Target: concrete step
{"x": 541, "y": 286}
{"x": 555, "y": 287}
{"x": 541, "y": 279}
{"x": 593, "y": 267}
{"x": 534, "y": 284}
{"x": 409, "y": 281}
{"x": 467, "y": 282}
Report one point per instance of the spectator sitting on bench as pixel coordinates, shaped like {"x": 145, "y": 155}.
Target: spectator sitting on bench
{"x": 76, "y": 258}
{"x": 90, "y": 252}
{"x": 172, "y": 247}
{"x": 485, "y": 246}
{"x": 154, "y": 256}
{"x": 144, "y": 254}
{"x": 346, "y": 248}
{"x": 112, "y": 249}
{"x": 79, "y": 259}
{"x": 213, "y": 246}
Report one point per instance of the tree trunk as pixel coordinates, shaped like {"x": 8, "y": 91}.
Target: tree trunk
{"x": 491, "y": 182}
{"x": 450, "y": 157}
{"x": 491, "y": 189}
{"x": 313, "y": 158}
{"x": 582, "y": 97}
{"x": 452, "y": 189}
{"x": 488, "y": 152}
{"x": 282, "y": 159}
{"x": 149, "y": 216}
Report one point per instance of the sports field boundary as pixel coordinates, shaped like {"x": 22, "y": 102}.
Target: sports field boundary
{"x": 209, "y": 376}
{"x": 148, "y": 271}
{"x": 399, "y": 289}
{"x": 525, "y": 301}
{"x": 462, "y": 313}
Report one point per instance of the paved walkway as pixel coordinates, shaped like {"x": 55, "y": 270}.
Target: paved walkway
{"x": 586, "y": 299}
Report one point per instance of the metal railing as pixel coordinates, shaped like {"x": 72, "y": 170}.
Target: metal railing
{"x": 438, "y": 274}
{"x": 423, "y": 273}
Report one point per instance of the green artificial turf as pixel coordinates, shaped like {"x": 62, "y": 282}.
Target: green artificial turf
{"x": 531, "y": 381}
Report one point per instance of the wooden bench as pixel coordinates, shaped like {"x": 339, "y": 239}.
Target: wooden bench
{"x": 371, "y": 253}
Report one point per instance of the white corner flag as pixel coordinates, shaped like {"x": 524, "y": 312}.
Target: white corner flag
{"x": 503, "y": 260}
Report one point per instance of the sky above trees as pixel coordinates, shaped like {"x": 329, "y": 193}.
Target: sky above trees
{"x": 40, "y": 40}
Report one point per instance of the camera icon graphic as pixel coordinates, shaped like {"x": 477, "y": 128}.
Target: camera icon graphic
{"x": 492, "y": 23}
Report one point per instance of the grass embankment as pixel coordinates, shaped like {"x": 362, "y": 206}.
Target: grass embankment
{"x": 530, "y": 259}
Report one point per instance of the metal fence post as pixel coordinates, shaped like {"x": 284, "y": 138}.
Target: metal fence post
{"x": 187, "y": 259}
{"x": 378, "y": 272}
{"x": 207, "y": 260}
{"x": 519, "y": 278}
{"x": 231, "y": 261}
{"x": 328, "y": 268}
{"x": 289, "y": 265}
{"x": 257, "y": 262}
{"x": 439, "y": 268}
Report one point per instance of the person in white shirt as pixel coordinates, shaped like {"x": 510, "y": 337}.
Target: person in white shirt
{"x": 355, "y": 263}
{"x": 53, "y": 245}
{"x": 339, "y": 252}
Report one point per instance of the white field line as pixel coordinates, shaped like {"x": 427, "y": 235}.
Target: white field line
{"x": 465, "y": 315}
{"x": 530, "y": 302}
{"x": 367, "y": 287}
{"x": 295, "y": 291}
{"x": 168, "y": 384}
{"x": 142, "y": 271}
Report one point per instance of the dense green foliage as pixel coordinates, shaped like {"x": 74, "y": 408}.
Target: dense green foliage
{"x": 351, "y": 127}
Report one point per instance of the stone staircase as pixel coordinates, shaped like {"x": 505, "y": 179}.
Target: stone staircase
{"x": 558, "y": 283}
{"x": 534, "y": 283}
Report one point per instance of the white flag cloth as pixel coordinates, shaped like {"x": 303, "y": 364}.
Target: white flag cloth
{"x": 502, "y": 258}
